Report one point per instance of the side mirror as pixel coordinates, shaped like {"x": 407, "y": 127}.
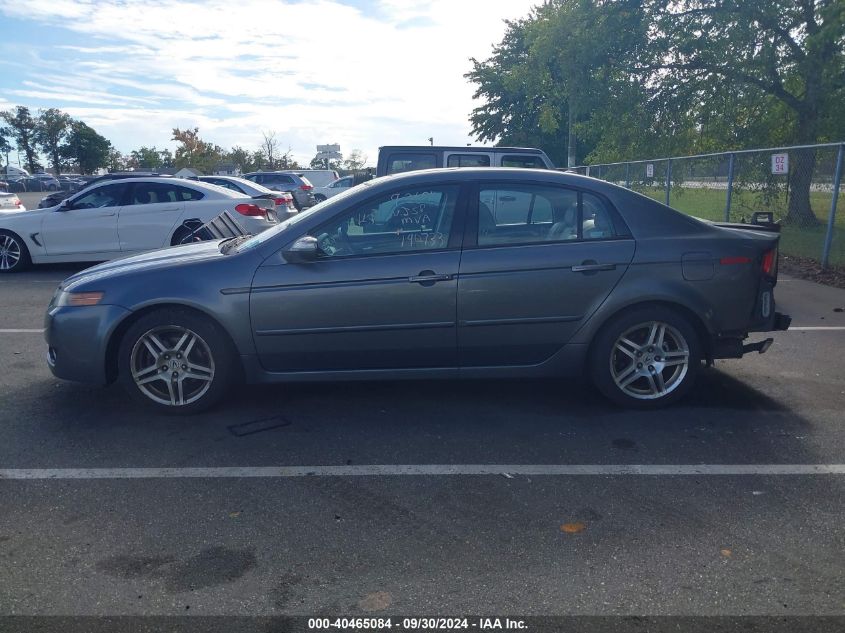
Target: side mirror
{"x": 64, "y": 205}
{"x": 302, "y": 251}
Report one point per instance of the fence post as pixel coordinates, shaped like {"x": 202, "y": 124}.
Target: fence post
{"x": 668, "y": 180}
{"x": 831, "y": 219}
{"x": 627, "y": 175}
{"x": 730, "y": 188}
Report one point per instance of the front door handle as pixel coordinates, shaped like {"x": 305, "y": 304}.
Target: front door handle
{"x": 428, "y": 276}
{"x": 592, "y": 266}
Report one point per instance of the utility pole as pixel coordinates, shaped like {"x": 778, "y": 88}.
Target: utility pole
{"x": 570, "y": 154}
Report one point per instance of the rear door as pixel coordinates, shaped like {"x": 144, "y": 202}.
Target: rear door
{"x": 529, "y": 278}
{"x": 151, "y": 215}
{"x": 87, "y": 225}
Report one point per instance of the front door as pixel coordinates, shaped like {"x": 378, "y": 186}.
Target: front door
{"x": 382, "y": 295}
{"x": 535, "y": 271}
{"x": 86, "y": 225}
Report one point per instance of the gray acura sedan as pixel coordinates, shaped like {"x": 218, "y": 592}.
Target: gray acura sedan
{"x": 448, "y": 273}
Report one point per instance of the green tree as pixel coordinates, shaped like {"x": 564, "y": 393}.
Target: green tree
{"x": 645, "y": 78}
{"x": 51, "y": 128}
{"x": 147, "y": 158}
{"x": 86, "y": 148}
{"x": 5, "y": 143}
{"x": 194, "y": 152}
{"x": 115, "y": 161}
{"x": 23, "y": 128}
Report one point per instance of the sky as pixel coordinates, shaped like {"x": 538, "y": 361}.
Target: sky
{"x": 354, "y": 72}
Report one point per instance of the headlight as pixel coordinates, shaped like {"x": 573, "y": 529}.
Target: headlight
{"x": 78, "y": 298}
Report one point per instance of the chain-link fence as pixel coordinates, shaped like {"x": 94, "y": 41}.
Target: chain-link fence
{"x": 801, "y": 185}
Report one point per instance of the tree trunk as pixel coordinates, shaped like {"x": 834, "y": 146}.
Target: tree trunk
{"x": 799, "y": 212}
{"x": 802, "y": 164}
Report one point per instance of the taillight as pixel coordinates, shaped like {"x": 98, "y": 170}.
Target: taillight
{"x": 250, "y": 209}
{"x": 280, "y": 202}
{"x": 16, "y": 202}
{"x": 770, "y": 260}
{"x": 306, "y": 187}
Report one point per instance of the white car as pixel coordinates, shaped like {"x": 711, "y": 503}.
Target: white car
{"x": 121, "y": 217}
{"x": 334, "y": 188}
{"x": 285, "y": 207}
{"x": 10, "y": 201}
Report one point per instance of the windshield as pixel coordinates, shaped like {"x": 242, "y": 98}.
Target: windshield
{"x": 270, "y": 233}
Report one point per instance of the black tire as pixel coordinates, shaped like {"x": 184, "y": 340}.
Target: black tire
{"x": 319, "y": 197}
{"x": 611, "y": 367}
{"x": 11, "y": 245}
{"x": 212, "y": 351}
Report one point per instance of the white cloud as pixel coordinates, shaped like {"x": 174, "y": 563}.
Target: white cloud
{"x": 315, "y": 72}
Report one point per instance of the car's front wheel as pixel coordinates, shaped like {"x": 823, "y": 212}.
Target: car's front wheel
{"x": 647, "y": 357}
{"x": 14, "y": 256}
{"x": 319, "y": 197}
{"x": 175, "y": 361}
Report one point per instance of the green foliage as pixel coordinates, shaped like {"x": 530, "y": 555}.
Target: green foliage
{"x": 661, "y": 77}
{"x": 51, "y": 128}
{"x": 23, "y": 128}
{"x": 87, "y": 149}
{"x": 194, "y": 152}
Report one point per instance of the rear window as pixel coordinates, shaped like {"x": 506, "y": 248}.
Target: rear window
{"x": 468, "y": 160}
{"x": 523, "y": 161}
{"x": 410, "y": 162}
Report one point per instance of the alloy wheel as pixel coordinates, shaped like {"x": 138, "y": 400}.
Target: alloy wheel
{"x": 10, "y": 252}
{"x": 649, "y": 360}
{"x": 172, "y": 365}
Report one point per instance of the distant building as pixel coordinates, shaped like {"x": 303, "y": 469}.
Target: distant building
{"x": 226, "y": 169}
{"x": 188, "y": 172}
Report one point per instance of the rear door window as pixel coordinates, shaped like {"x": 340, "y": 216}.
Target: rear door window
{"x": 398, "y": 163}
{"x": 468, "y": 160}
{"x": 523, "y": 161}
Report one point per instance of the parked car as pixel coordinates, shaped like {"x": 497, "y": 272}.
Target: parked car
{"x": 27, "y": 183}
{"x": 48, "y": 182}
{"x": 418, "y": 276}
{"x": 394, "y": 159}
{"x": 299, "y": 186}
{"x": 317, "y": 177}
{"x": 283, "y": 200}
{"x": 121, "y": 217}
{"x": 332, "y": 189}
{"x": 10, "y": 201}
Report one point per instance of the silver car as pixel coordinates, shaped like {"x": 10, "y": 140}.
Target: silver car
{"x": 447, "y": 273}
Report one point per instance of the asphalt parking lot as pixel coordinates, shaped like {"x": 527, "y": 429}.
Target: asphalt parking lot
{"x": 735, "y": 506}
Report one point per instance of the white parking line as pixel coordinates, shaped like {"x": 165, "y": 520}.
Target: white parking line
{"x": 425, "y": 470}
{"x": 22, "y": 331}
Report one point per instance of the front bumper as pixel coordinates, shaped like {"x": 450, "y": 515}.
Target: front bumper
{"x": 77, "y": 340}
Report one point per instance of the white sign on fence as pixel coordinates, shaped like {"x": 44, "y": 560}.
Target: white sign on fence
{"x": 334, "y": 147}
{"x": 780, "y": 163}
{"x": 649, "y": 170}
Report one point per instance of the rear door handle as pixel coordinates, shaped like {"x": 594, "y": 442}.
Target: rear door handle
{"x": 426, "y": 277}
{"x": 588, "y": 268}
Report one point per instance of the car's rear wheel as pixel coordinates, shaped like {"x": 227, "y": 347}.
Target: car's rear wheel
{"x": 175, "y": 361}
{"x": 14, "y": 255}
{"x": 648, "y": 357}
{"x": 180, "y": 235}
{"x": 319, "y": 197}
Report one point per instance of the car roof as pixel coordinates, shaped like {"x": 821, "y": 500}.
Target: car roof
{"x": 458, "y": 148}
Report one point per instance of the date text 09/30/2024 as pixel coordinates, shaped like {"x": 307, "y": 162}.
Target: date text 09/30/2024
{"x": 416, "y": 624}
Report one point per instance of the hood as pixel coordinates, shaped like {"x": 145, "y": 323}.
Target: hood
{"x": 152, "y": 260}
